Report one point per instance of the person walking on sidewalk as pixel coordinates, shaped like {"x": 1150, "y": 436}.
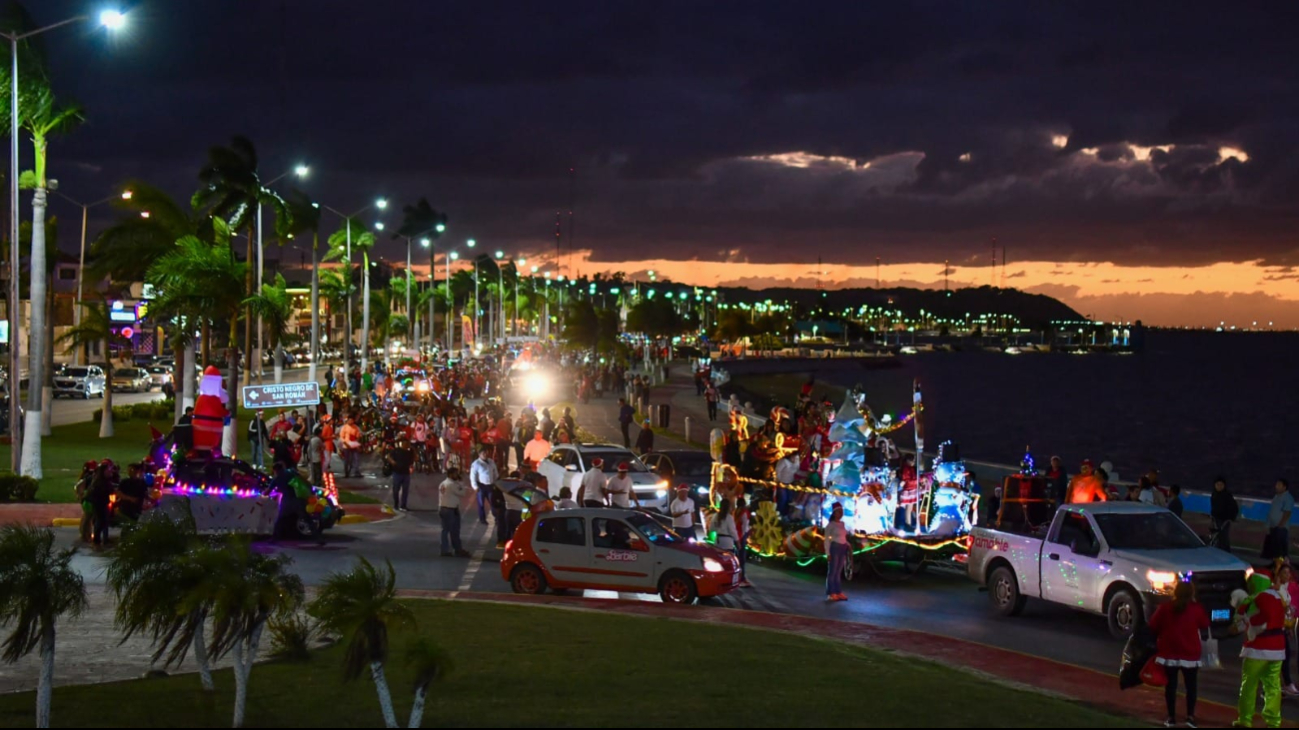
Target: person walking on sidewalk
{"x": 1177, "y": 627}
{"x": 1277, "y": 542}
{"x": 626, "y": 414}
{"x": 592, "y": 491}
{"x": 711, "y": 396}
{"x": 401, "y": 458}
{"x": 645, "y": 439}
{"x": 258, "y": 438}
{"x": 452, "y": 495}
{"x": 836, "y": 552}
{"x": 483, "y": 475}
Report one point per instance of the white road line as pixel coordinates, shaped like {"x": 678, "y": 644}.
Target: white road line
{"x": 476, "y": 562}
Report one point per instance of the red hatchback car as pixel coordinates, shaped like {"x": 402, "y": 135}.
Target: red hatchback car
{"x": 614, "y": 550}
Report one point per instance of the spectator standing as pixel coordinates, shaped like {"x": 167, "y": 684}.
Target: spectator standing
{"x": 401, "y": 458}
{"x": 1277, "y": 542}
{"x": 350, "y": 435}
{"x": 452, "y": 495}
{"x": 836, "y": 551}
{"x": 131, "y": 493}
{"x": 682, "y": 510}
{"x": 1177, "y": 626}
{"x": 645, "y": 439}
{"x": 620, "y": 489}
{"x": 711, "y": 396}
{"x": 566, "y": 500}
{"x": 1223, "y": 510}
{"x": 626, "y": 414}
{"x": 258, "y": 438}
{"x": 592, "y": 492}
{"x": 483, "y": 476}
{"x": 1175, "y": 500}
{"x": 316, "y": 457}
{"x": 536, "y": 450}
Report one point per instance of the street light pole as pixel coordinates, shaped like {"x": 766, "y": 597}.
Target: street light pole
{"x": 471, "y": 243}
{"x": 112, "y": 20}
{"x": 500, "y": 291}
{"x": 380, "y": 203}
{"x": 300, "y": 171}
{"x": 520, "y": 262}
{"x": 451, "y": 305}
{"x": 81, "y": 260}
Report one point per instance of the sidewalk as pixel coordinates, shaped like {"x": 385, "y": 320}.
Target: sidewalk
{"x": 1081, "y": 685}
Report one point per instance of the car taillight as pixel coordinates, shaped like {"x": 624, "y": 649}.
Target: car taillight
{"x": 509, "y": 544}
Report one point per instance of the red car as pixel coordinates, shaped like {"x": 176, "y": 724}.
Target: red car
{"x": 614, "y": 550}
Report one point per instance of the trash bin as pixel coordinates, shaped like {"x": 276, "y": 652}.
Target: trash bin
{"x": 665, "y": 414}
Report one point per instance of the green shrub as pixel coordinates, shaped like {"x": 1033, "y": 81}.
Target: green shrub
{"x": 121, "y": 414}
{"x": 15, "y": 488}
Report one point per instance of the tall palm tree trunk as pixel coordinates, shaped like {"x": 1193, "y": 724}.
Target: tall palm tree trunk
{"x": 31, "y": 455}
{"x": 200, "y": 655}
{"x": 248, "y": 315}
{"x": 385, "y": 695}
{"x": 229, "y": 438}
{"x": 279, "y": 358}
{"x": 47, "y": 386}
{"x": 417, "y": 707}
{"x": 314, "y": 350}
{"x": 106, "y": 420}
{"x": 45, "y": 682}
{"x": 365, "y": 311}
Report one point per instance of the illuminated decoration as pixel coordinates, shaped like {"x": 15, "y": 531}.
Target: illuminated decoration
{"x": 766, "y": 535}
{"x": 127, "y": 332}
{"x": 1026, "y": 465}
{"x": 331, "y": 488}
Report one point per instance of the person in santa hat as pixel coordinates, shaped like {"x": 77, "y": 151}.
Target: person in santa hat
{"x": 210, "y": 411}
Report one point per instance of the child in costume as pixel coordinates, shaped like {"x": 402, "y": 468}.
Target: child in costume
{"x": 1260, "y": 615}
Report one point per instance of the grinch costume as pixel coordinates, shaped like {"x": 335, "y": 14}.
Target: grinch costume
{"x": 1261, "y": 616}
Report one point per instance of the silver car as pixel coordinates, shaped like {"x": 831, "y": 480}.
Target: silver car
{"x": 134, "y": 380}
{"x": 81, "y": 382}
{"x": 159, "y": 376}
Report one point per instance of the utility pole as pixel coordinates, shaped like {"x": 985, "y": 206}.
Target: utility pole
{"x": 877, "y": 272}
{"x": 994, "y": 261}
{"x": 946, "y": 271}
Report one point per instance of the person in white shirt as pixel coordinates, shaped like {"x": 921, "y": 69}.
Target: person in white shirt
{"x": 620, "y": 489}
{"x": 682, "y": 510}
{"x": 536, "y": 450}
{"x": 452, "y": 495}
{"x": 566, "y": 500}
{"x": 483, "y": 475}
{"x": 591, "y": 493}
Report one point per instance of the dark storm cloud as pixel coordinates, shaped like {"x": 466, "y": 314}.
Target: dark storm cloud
{"x": 659, "y": 106}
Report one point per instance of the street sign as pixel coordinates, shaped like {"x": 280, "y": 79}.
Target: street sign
{"x": 284, "y": 395}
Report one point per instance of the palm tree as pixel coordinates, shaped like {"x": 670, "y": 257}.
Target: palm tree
{"x": 246, "y": 589}
{"x": 97, "y": 327}
{"x": 361, "y": 606}
{"x": 421, "y": 221}
{"x": 335, "y": 288}
{"x": 305, "y": 215}
{"x": 151, "y": 573}
{"x": 38, "y": 586}
{"x": 151, "y": 224}
{"x": 430, "y": 663}
{"x": 274, "y": 307}
{"x": 362, "y": 240}
{"x": 41, "y": 117}
{"x": 233, "y": 190}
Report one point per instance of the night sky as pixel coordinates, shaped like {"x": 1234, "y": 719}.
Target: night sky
{"x": 1135, "y": 160}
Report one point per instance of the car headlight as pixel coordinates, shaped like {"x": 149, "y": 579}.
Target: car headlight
{"x": 701, "y": 491}
{"x": 713, "y": 565}
{"x": 536, "y": 386}
{"x": 1249, "y": 572}
{"x": 660, "y": 493}
{"x": 1161, "y": 581}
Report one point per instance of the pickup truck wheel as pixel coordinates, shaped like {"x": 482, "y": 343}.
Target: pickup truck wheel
{"x": 528, "y": 580}
{"x": 1003, "y": 587}
{"x": 1125, "y": 614}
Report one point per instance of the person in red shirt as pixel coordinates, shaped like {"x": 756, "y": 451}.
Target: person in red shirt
{"x": 1177, "y": 626}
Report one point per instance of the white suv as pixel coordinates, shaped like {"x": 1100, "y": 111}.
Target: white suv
{"x": 568, "y": 462}
{"x": 81, "y": 382}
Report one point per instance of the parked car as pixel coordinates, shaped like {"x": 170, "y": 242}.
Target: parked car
{"x": 159, "y": 376}
{"x": 614, "y": 550}
{"x": 85, "y": 381}
{"x": 1114, "y": 559}
{"x": 568, "y": 462}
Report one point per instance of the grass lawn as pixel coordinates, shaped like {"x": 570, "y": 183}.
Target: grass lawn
{"x": 540, "y": 667}
{"x": 72, "y": 445}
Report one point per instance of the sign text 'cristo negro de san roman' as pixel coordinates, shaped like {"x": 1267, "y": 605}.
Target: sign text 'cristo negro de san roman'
{"x": 284, "y": 395}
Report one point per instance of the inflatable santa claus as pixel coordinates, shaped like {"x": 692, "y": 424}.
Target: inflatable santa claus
{"x": 210, "y": 411}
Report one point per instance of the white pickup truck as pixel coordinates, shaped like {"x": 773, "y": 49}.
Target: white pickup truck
{"x": 1115, "y": 559}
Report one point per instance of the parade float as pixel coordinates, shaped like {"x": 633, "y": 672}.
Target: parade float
{"x": 224, "y": 495}
{"x": 899, "y": 517}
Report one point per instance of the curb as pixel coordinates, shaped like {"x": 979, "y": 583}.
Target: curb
{"x": 65, "y": 522}
{"x": 351, "y": 519}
